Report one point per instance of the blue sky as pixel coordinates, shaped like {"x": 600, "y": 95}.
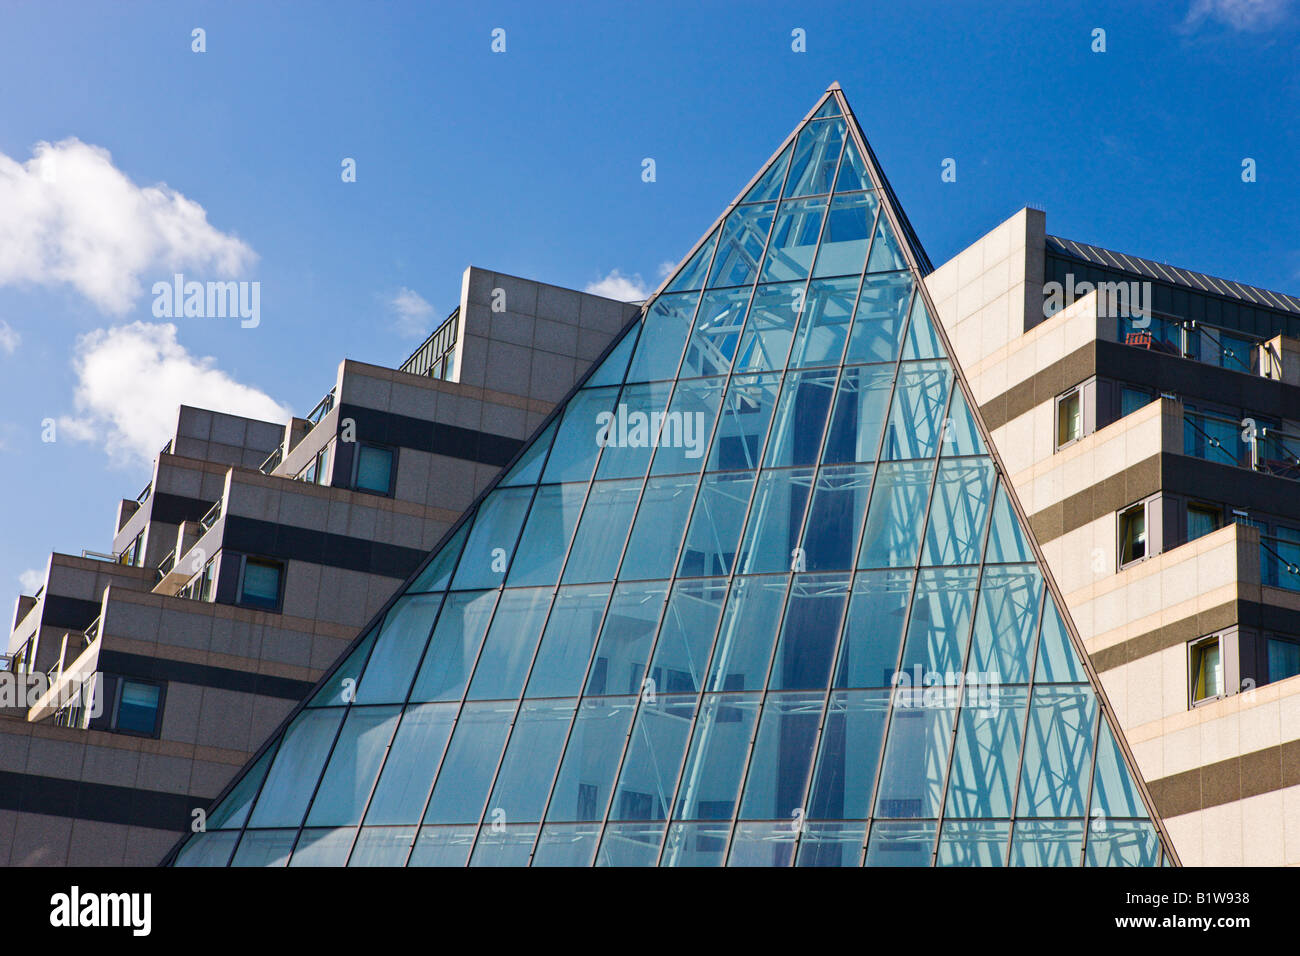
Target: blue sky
{"x": 226, "y": 164}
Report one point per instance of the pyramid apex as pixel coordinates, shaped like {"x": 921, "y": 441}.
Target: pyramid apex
{"x": 835, "y": 85}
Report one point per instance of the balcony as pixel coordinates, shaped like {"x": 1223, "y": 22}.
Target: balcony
{"x": 272, "y": 461}
{"x": 1250, "y": 443}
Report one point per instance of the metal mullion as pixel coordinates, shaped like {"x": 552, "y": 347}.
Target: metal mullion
{"x": 324, "y": 767}
{"x": 1092, "y": 782}
{"x": 911, "y": 600}
{"x": 252, "y": 803}
{"x": 1024, "y": 733}
{"x": 960, "y": 705}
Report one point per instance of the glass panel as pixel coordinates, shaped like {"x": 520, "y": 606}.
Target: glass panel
{"x": 528, "y": 468}
{"x": 715, "y": 766}
{"x": 625, "y": 638}
{"x": 717, "y": 331}
{"x": 508, "y": 648}
{"x": 207, "y": 849}
{"x": 691, "y": 275}
{"x": 503, "y": 845}
{"x": 265, "y": 848}
{"x": 769, "y": 184}
{"x": 412, "y": 761}
{"x": 567, "y": 845}
{"x": 915, "y": 419}
{"x": 566, "y": 646}
{"x": 295, "y": 770}
{"x": 531, "y": 759}
{"x": 1047, "y": 843}
{"x": 654, "y": 756}
{"x": 960, "y": 436}
{"x": 470, "y": 763}
{"x": 800, "y": 418}
{"x": 775, "y": 520}
{"x": 609, "y": 372}
{"x": 576, "y": 447}
{"x": 879, "y": 320}
{"x": 825, "y": 326}
{"x": 605, "y": 523}
{"x": 749, "y": 626}
{"x": 794, "y": 240}
{"x": 657, "y": 534}
{"x": 839, "y": 503}
{"x": 323, "y": 847}
{"x": 816, "y": 155}
{"x": 1006, "y": 623}
{"x": 763, "y": 844}
{"x": 1122, "y": 843}
{"x": 1058, "y": 751}
{"x": 630, "y": 844}
{"x": 437, "y": 574}
{"x": 1283, "y": 659}
{"x": 443, "y": 846}
{"x": 663, "y": 336}
{"x": 744, "y": 235}
{"x": 628, "y": 434}
{"x": 492, "y": 539}
{"x": 1007, "y": 541}
{"x": 983, "y": 778}
{"x": 746, "y": 411}
{"x": 850, "y": 751}
{"x": 922, "y": 339}
{"x": 808, "y": 635}
{"x": 853, "y": 171}
{"x": 401, "y": 641}
{"x": 896, "y": 516}
{"x": 848, "y": 231}
{"x": 860, "y": 403}
{"x": 546, "y": 535}
{"x": 341, "y": 688}
{"x": 687, "y": 426}
{"x": 770, "y": 328}
{"x": 940, "y": 624}
{"x": 782, "y": 760}
{"x": 710, "y": 547}
{"x": 696, "y": 844}
{"x": 886, "y": 255}
{"x": 382, "y": 846}
{"x": 1114, "y": 792}
{"x": 454, "y": 646}
{"x": 832, "y": 844}
{"x": 233, "y": 810}
{"x": 590, "y": 760}
{"x": 1057, "y": 660}
{"x": 873, "y": 630}
{"x": 916, "y": 754}
{"x": 974, "y": 843}
{"x": 829, "y": 108}
{"x": 353, "y": 766}
{"x": 902, "y": 844}
{"x": 682, "y": 652}
{"x": 374, "y": 469}
{"x": 260, "y": 585}
{"x": 1131, "y": 399}
{"x": 958, "y": 512}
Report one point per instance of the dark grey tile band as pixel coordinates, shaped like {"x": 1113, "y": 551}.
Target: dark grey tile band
{"x": 1249, "y": 775}
{"x": 254, "y": 536}
{"x": 202, "y": 675}
{"x": 104, "y": 803}
{"x": 423, "y": 435}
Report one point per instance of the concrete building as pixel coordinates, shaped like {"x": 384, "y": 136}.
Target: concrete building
{"x": 247, "y": 565}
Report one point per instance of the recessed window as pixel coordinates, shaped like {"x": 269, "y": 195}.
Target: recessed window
{"x": 1207, "y": 671}
{"x": 1283, "y": 659}
{"x": 1069, "y": 418}
{"x": 1203, "y": 520}
{"x": 260, "y": 583}
{"x": 130, "y": 706}
{"x": 374, "y": 469}
{"x": 1132, "y": 534}
{"x": 1131, "y": 399}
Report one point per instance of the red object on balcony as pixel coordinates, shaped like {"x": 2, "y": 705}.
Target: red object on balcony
{"x": 1138, "y": 338}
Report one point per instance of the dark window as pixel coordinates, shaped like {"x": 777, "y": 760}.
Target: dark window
{"x": 1283, "y": 659}
{"x": 374, "y": 469}
{"x": 130, "y": 706}
{"x": 1131, "y": 399}
{"x": 1202, "y": 520}
{"x": 1132, "y": 534}
{"x": 261, "y": 583}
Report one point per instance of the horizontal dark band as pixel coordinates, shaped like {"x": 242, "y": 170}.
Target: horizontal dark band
{"x": 254, "y": 536}
{"x": 423, "y": 435}
{"x": 101, "y": 802}
{"x": 202, "y": 675}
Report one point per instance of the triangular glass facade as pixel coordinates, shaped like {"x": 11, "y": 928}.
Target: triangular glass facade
{"x": 758, "y": 595}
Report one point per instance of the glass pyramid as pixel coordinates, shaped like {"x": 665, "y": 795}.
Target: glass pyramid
{"x": 757, "y": 595}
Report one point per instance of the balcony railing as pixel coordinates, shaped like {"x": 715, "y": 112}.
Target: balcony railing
{"x": 1279, "y": 563}
{"x": 100, "y": 556}
{"x": 322, "y": 409}
{"x": 1264, "y": 448}
{"x": 272, "y": 461}
{"x": 143, "y": 496}
{"x": 166, "y": 564}
{"x": 1191, "y": 339}
{"x": 211, "y": 518}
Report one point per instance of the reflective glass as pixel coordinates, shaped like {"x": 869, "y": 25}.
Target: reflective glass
{"x": 566, "y": 646}
{"x": 511, "y": 640}
{"x": 781, "y": 763}
{"x": 625, "y": 638}
{"x": 1057, "y": 660}
{"x": 960, "y": 436}
{"x": 959, "y": 511}
{"x": 896, "y": 515}
{"x": 763, "y": 844}
{"x": 712, "y": 344}
{"x": 660, "y": 522}
{"x": 265, "y": 848}
{"x": 1007, "y": 541}
{"x": 922, "y": 339}
{"x": 437, "y": 574}
{"x": 302, "y": 753}
{"x": 878, "y": 322}
{"x": 886, "y": 255}
{"x": 1006, "y": 623}
{"x": 916, "y": 753}
{"x": 659, "y": 350}
{"x": 800, "y": 418}
{"x": 744, "y": 235}
{"x": 528, "y": 468}
{"x": 531, "y": 760}
{"x": 848, "y": 232}
{"x": 770, "y": 327}
{"x": 582, "y": 787}
{"x": 973, "y": 843}
{"x": 687, "y": 426}
{"x": 454, "y": 646}
{"x": 627, "y": 435}
{"x": 939, "y": 628}
{"x": 719, "y": 515}
{"x": 610, "y": 372}
{"x": 692, "y": 274}
{"x": 353, "y": 766}
{"x": 443, "y": 846}
{"x": 686, "y": 636}
{"x": 915, "y": 418}
{"x": 208, "y": 849}
{"x": 816, "y": 156}
{"x": 776, "y": 516}
{"x": 838, "y": 505}
{"x": 832, "y": 844}
{"x": 1114, "y": 791}
{"x": 827, "y": 312}
{"x": 470, "y": 763}
{"x": 749, "y": 626}
{"x": 861, "y": 399}
{"x": 1058, "y": 742}
{"x": 401, "y": 641}
{"x": 492, "y": 539}
{"x": 654, "y": 756}
{"x": 901, "y": 844}
{"x": 630, "y": 844}
{"x": 742, "y": 426}
{"x": 769, "y": 184}
{"x": 873, "y": 629}
{"x": 1122, "y": 843}
{"x": 850, "y": 751}
{"x": 794, "y": 240}
{"x": 982, "y": 783}
{"x": 808, "y": 634}
{"x": 606, "y": 520}
{"x": 551, "y": 521}
{"x": 573, "y": 455}
{"x": 410, "y": 765}
{"x": 233, "y": 810}
{"x": 503, "y": 845}
{"x": 341, "y": 687}
{"x": 323, "y": 847}
{"x": 1047, "y": 843}
{"x": 853, "y": 171}
{"x": 715, "y": 765}
{"x": 696, "y": 844}
{"x": 567, "y": 845}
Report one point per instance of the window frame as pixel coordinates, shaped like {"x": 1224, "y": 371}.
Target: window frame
{"x": 1077, "y": 394}
{"x": 240, "y": 600}
{"x": 1145, "y": 505}
{"x": 1195, "y": 650}
{"x": 392, "y": 468}
{"x": 107, "y": 721}
{"x": 1204, "y": 507}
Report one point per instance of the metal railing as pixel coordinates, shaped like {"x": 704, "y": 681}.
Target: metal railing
{"x": 1224, "y": 440}
{"x": 1279, "y": 563}
{"x": 166, "y": 564}
{"x": 1191, "y": 339}
{"x": 100, "y": 556}
{"x": 143, "y": 496}
{"x": 211, "y": 518}
{"x": 323, "y": 408}
{"x": 272, "y": 461}
{"x": 167, "y": 448}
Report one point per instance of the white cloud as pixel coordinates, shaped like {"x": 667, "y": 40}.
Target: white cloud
{"x": 618, "y": 286}
{"x": 69, "y": 216}
{"x": 31, "y": 579}
{"x": 130, "y": 380}
{"x": 9, "y": 338}
{"x": 412, "y": 313}
{"x": 1248, "y": 15}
